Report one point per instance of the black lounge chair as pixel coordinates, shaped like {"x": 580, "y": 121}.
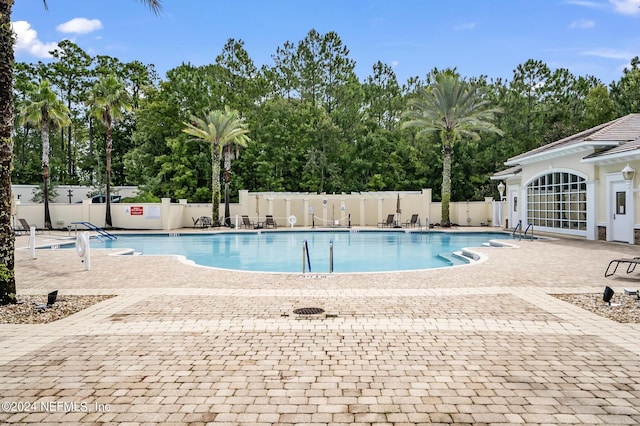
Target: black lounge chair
{"x": 270, "y": 222}
{"x": 387, "y": 223}
{"x": 247, "y": 223}
{"x": 412, "y": 222}
{"x": 631, "y": 265}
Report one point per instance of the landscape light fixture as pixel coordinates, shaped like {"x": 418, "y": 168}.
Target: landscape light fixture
{"x": 608, "y": 294}
{"x": 51, "y": 299}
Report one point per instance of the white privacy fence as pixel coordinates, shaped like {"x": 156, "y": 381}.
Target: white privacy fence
{"x": 321, "y": 210}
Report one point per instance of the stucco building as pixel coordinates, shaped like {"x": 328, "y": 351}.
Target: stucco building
{"x": 584, "y": 185}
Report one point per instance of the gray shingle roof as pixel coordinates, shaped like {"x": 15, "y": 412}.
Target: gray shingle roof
{"x": 507, "y": 172}
{"x": 619, "y": 134}
{"x": 623, "y": 129}
{"x": 618, "y": 149}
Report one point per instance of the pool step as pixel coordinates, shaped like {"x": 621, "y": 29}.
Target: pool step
{"x": 452, "y": 258}
{"x": 470, "y": 254}
{"x": 494, "y": 243}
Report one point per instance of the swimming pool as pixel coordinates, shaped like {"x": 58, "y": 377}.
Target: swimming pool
{"x": 363, "y": 251}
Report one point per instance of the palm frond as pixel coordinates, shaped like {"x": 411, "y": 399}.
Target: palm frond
{"x": 154, "y": 5}
{"x": 42, "y": 103}
{"x": 450, "y": 105}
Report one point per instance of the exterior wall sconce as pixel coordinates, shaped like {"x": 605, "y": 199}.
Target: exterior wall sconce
{"x": 501, "y": 190}
{"x": 627, "y": 174}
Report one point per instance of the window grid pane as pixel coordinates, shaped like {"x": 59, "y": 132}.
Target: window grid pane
{"x": 558, "y": 200}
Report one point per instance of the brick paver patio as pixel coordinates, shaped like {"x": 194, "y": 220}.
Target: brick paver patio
{"x": 480, "y": 344}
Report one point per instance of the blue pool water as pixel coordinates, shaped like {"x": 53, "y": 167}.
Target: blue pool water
{"x": 364, "y": 251}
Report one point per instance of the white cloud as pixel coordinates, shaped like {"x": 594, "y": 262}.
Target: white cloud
{"x": 582, "y": 24}
{"x": 80, "y": 26}
{"x": 609, "y": 53}
{"x": 583, "y": 3}
{"x": 626, "y": 7}
{"x": 465, "y": 26}
{"x": 27, "y": 41}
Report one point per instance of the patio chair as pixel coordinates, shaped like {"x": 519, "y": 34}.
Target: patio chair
{"x": 205, "y": 222}
{"x": 20, "y": 230}
{"x": 195, "y": 220}
{"x": 270, "y": 222}
{"x": 387, "y": 223}
{"x": 411, "y": 222}
{"x": 631, "y": 265}
{"x": 26, "y": 227}
{"x": 247, "y": 223}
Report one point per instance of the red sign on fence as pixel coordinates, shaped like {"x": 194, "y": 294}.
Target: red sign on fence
{"x": 137, "y": 210}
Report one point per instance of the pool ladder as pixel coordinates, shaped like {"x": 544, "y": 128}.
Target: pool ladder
{"x": 305, "y": 256}
{"x": 306, "y": 259}
{"x": 519, "y": 226}
{"x": 527, "y": 230}
{"x": 100, "y": 231}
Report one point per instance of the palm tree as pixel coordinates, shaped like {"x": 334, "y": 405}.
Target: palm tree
{"x": 108, "y": 102}
{"x": 230, "y": 152}
{"x": 43, "y": 109}
{"x": 7, "y": 237}
{"x": 218, "y": 128}
{"x": 457, "y": 110}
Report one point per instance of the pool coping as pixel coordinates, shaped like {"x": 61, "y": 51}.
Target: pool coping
{"x": 469, "y": 254}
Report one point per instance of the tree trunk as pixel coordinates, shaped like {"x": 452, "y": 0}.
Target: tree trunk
{"x": 227, "y": 210}
{"x": 446, "y": 180}
{"x": 45, "y": 169}
{"x": 23, "y": 158}
{"x": 215, "y": 183}
{"x": 227, "y": 179}
{"x": 108, "y": 150}
{"x": 91, "y": 138}
{"x": 45, "y": 187}
{"x": 7, "y": 237}
{"x": 69, "y": 154}
{"x": 107, "y": 219}
{"x": 70, "y": 165}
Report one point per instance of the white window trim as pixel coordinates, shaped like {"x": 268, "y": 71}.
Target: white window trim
{"x": 591, "y": 229}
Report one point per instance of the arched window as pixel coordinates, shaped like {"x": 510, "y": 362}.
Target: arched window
{"x": 558, "y": 200}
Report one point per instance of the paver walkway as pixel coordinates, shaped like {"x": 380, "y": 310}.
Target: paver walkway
{"x": 481, "y": 344}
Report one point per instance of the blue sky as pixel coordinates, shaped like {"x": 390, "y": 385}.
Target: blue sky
{"x": 478, "y": 37}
